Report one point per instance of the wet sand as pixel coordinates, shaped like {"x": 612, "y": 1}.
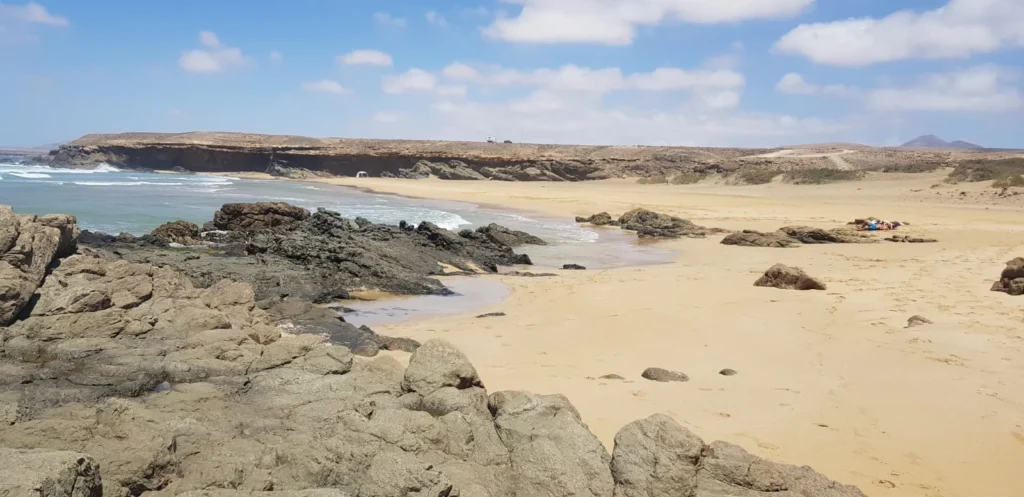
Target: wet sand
{"x": 832, "y": 379}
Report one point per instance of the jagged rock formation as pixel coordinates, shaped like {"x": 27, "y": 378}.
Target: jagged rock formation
{"x": 180, "y": 232}
{"x": 788, "y": 278}
{"x": 751, "y": 238}
{"x": 32, "y": 473}
{"x": 179, "y": 390}
{"x": 650, "y": 224}
{"x": 793, "y": 236}
{"x": 1011, "y": 280}
{"x": 28, "y": 244}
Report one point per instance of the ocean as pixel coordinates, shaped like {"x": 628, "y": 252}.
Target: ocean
{"x": 114, "y": 201}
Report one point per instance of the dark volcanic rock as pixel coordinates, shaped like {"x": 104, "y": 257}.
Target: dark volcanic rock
{"x": 28, "y": 245}
{"x": 728, "y": 372}
{"x": 181, "y": 232}
{"x": 807, "y": 235}
{"x": 599, "y": 219}
{"x": 573, "y": 267}
{"x": 663, "y": 375}
{"x": 319, "y": 258}
{"x": 910, "y": 239}
{"x": 1011, "y": 280}
{"x": 491, "y": 315}
{"x": 788, "y": 278}
{"x": 750, "y": 238}
{"x": 257, "y": 216}
{"x": 650, "y": 224}
{"x": 507, "y": 237}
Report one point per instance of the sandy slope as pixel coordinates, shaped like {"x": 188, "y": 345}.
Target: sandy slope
{"x": 831, "y": 379}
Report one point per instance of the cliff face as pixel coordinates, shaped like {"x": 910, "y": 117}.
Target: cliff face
{"x": 229, "y": 152}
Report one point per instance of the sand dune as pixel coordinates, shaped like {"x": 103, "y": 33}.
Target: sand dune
{"x": 831, "y": 378}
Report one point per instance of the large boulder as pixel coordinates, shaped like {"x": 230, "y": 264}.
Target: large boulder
{"x": 750, "y": 238}
{"x": 28, "y": 246}
{"x": 257, "y": 216}
{"x": 788, "y": 278}
{"x": 180, "y": 232}
{"x": 43, "y": 473}
{"x": 437, "y": 364}
{"x": 508, "y": 237}
{"x": 1011, "y": 280}
{"x": 551, "y": 450}
{"x": 657, "y": 457}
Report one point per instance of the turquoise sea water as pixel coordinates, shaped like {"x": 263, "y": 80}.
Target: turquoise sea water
{"x": 113, "y": 201}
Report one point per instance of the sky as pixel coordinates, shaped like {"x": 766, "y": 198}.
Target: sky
{"x": 756, "y": 73}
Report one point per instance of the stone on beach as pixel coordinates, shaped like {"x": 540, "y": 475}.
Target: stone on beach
{"x": 664, "y": 375}
{"x": 1011, "y": 280}
{"x": 788, "y": 278}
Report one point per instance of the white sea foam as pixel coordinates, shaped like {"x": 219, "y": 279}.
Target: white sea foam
{"x": 30, "y": 169}
{"x": 123, "y": 183}
{"x": 30, "y": 175}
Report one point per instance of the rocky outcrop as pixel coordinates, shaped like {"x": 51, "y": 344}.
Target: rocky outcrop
{"x": 750, "y": 238}
{"x": 650, "y": 224}
{"x": 657, "y": 457}
{"x": 284, "y": 252}
{"x": 278, "y": 170}
{"x": 180, "y": 232}
{"x": 788, "y": 278}
{"x": 804, "y": 234}
{"x": 43, "y": 473}
{"x": 910, "y": 239}
{"x": 28, "y": 245}
{"x": 507, "y": 237}
{"x": 1011, "y": 280}
{"x": 257, "y": 216}
{"x": 599, "y": 219}
{"x": 454, "y": 169}
{"x": 172, "y": 389}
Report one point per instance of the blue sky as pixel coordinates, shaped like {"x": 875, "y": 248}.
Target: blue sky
{"x": 686, "y": 72}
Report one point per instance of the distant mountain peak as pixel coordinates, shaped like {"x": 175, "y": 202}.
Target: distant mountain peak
{"x": 932, "y": 141}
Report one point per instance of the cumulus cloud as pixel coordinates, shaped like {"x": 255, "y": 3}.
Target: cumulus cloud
{"x": 31, "y": 13}
{"x": 213, "y": 57}
{"x": 386, "y": 19}
{"x": 325, "y": 86}
{"x": 795, "y": 84}
{"x": 418, "y": 80}
{"x": 978, "y": 89}
{"x": 436, "y": 19}
{"x": 366, "y": 57}
{"x": 959, "y": 29}
{"x": 614, "y": 22}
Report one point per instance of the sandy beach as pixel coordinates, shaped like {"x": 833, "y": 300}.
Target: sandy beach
{"x": 833, "y": 379}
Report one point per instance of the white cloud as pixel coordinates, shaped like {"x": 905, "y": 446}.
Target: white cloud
{"x": 795, "y": 84}
{"x": 390, "y": 117}
{"x": 366, "y": 57}
{"x": 385, "y": 19}
{"x": 325, "y": 86}
{"x": 576, "y": 78}
{"x": 436, "y": 19}
{"x": 959, "y": 29}
{"x": 31, "y": 13}
{"x": 275, "y": 56}
{"x": 216, "y": 57}
{"x": 418, "y": 80}
{"x": 614, "y": 22}
{"x": 978, "y": 89}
